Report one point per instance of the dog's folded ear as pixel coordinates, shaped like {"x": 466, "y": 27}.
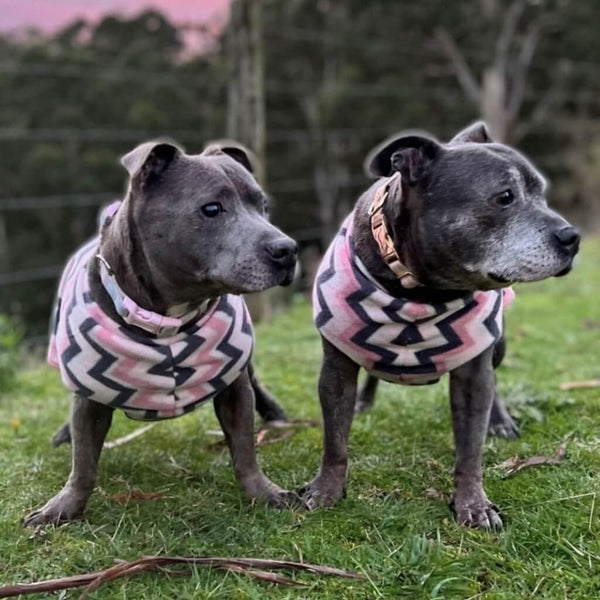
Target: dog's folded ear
{"x": 150, "y": 158}
{"x": 235, "y": 150}
{"x": 476, "y": 132}
{"x": 409, "y": 153}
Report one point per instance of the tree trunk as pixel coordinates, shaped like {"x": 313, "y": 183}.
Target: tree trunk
{"x": 246, "y": 121}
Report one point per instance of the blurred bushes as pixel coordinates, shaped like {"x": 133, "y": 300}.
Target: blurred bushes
{"x": 10, "y": 335}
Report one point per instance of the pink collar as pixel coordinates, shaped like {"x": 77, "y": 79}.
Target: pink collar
{"x": 133, "y": 314}
{"x": 128, "y": 309}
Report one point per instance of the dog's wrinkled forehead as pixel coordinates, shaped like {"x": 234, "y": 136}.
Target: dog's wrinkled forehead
{"x": 485, "y": 165}
{"x": 162, "y": 168}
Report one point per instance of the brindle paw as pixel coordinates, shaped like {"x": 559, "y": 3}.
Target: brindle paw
{"x": 65, "y": 506}
{"x": 321, "y": 492}
{"x": 478, "y": 514}
{"x": 503, "y": 426}
{"x": 285, "y": 499}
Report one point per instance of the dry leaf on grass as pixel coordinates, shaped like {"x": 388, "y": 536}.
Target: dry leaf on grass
{"x": 514, "y": 464}
{"x": 434, "y": 494}
{"x": 126, "y": 497}
{"x": 263, "y": 435}
{"x": 290, "y": 427}
{"x": 580, "y": 385}
{"x": 256, "y": 568}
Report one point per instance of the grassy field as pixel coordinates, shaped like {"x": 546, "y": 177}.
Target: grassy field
{"x": 390, "y": 527}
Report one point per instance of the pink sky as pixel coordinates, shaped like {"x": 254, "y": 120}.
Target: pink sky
{"x": 51, "y": 14}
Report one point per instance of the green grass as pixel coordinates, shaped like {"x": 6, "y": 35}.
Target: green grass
{"x": 388, "y": 527}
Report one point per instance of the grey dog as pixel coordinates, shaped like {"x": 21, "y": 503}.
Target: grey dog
{"x": 190, "y": 231}
{"x": 462, "y": 219}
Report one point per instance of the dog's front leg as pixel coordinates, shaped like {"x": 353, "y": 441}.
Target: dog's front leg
{"x": 471, "y": 396}
{"x": 90, "y": 422}
{"x": 234, "y": 408}
{"x": 337, "y": 392}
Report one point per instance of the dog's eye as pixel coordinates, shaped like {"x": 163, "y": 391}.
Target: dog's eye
{"x": 212, "y": 209}
{"x": 505, "y": 198}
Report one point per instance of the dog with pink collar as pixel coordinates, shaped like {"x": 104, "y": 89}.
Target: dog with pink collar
{"x": 149, "y": 318}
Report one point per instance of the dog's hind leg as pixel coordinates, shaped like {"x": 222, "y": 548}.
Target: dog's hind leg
{"x": 62, "y": 436}
{"x": 266, "y": 405}
{"x": 90, "y": 422}
{"x": 234, "y": 408}
{"x": 501, "y": 423}
{"x": 365, "y": 399}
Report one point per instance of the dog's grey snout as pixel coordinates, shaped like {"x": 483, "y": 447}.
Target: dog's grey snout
{"x": 568, "y": 237}
{"x": 282, "y": 251}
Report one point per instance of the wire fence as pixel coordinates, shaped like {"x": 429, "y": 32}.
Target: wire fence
{"x": 439, "y": 89}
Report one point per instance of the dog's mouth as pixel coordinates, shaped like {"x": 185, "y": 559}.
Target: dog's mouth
{"x": 564, "y": 271}
{"x": 498, "y": 278}
{"x": 286, "y": 277}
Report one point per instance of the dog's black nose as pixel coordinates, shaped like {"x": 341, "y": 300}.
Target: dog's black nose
{"x": 283, "y": 251}
{"x": 567, "y": 236}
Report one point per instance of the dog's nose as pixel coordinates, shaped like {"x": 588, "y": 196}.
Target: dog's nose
{"x": 283, "y": 251}
{"x": 567, "y": 236}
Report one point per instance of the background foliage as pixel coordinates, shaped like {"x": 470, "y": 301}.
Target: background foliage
{"x": 339, "y": 77}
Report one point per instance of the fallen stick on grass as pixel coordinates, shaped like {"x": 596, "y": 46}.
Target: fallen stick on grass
{"x": 580, "y": 385}
{"x": 127, "y": 438}
{"x": 266, "y": 432}
{"x": 257, "y": 568}
{"x": 514, "y": 464}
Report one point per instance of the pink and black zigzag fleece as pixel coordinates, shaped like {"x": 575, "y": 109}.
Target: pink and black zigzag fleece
{"x": 394, "y": 339}
{"x": 148, "y": 376}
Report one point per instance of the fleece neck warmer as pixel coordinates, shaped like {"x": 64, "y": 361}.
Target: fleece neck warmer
{"x": 393, "y": 338}
{"x": 150, "y": 377}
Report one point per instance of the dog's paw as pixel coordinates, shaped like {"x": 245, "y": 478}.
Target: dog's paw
{"x": 477, "y": 513}
{"x": 501, "y": 423}
{"x": 285, "y": 499}
{"x": 503, "y": 427}
{"x": 65, "y": 506}
{"x": 362, "y": 405}
{"x": 504, "y": 430}
{"x": 62, "y": 436}
{"x": 321, "y": 492}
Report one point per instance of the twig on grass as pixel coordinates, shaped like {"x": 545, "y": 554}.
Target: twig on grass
{"x": 580, "y": 385}
{"x": 289, "y": 428}
{"x": 257, "y": 568}
{"x": 127, "y": 438}
{"x": 514, "y": 464}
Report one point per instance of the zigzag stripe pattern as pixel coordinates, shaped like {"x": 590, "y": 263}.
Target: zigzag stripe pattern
{"x": 149, "y": 377}
{"x": 393, "y": 338}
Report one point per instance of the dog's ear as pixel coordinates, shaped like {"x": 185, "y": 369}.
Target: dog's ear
{"x": 150, "y": 159}
{"x": 410, "y": 154}
{"x": 235, "y": 150}
{"x": 476, "y": 132}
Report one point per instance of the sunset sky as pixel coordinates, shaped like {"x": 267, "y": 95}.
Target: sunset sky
{"x": 51, "y": 14}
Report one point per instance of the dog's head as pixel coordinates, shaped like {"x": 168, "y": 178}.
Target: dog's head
{"x": 202, "y": 219}
{"x": 476, "y": 210}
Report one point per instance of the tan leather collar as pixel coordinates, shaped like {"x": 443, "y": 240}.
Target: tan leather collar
{"x": 384, "y": 240}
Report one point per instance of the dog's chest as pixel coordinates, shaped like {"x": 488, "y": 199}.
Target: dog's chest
{"x": 395, "y": 339}
{"x": 150, "y": 378}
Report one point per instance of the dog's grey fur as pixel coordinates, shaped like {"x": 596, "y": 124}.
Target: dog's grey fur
{"x": 451, "y": 231}
{"x": 166, "y": 254}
